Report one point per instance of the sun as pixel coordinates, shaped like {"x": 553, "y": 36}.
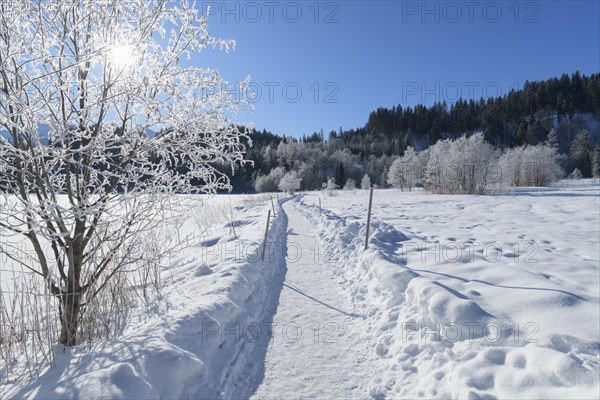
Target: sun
{"x": 122, "y": 56}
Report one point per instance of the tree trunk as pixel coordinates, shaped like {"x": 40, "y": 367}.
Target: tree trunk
{"x": 69, "y": 318}
{"x": 71, "y": 301}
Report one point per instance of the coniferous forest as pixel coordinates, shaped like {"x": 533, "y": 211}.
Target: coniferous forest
{"x": 567, "y": 106}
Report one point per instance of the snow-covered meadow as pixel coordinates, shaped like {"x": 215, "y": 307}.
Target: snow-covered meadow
{"x": 473, "y": 296}
{"x": 456, "y": 296}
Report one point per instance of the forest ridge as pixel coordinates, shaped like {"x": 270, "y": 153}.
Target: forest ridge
{"x": 567, "y": 105}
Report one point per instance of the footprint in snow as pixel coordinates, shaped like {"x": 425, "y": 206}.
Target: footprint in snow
{"x": 495, "y": 356}
{"x": 203, "y": 270}
{"x": 517, "y": 361}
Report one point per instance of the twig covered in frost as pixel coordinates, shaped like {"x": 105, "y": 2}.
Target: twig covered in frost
{"x": 129, "y": 125}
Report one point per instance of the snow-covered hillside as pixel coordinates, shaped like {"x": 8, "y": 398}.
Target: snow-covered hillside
{"x": 456, "y": 297}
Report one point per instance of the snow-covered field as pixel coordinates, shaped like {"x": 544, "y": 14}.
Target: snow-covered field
{"x": 456, "y": 296}
{"x": 470, "y": 296}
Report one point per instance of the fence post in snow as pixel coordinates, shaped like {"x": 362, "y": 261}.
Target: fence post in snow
{"x": 265, "y": 241}
{"x": 319, "y": 205}
{"x": 369, "y": 218}
{"x": 272, "y": 206}
{"x": 232, "y": 224}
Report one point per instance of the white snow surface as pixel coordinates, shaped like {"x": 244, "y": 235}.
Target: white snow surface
{"x": 473, "y": 296}
{"x": 189, "y": 343}
{"x": 318, "y": 349}
{"x": 455, "y": 297}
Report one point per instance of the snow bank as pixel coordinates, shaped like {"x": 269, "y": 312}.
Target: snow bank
{"x": 205, "y": 337}
{"x": 461, "y": 326}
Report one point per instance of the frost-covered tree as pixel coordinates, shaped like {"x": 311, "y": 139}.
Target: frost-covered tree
{"x": 104, "y": 75}
{"x": 269, "y": 155}
{"x": 397, "y": 174}
{"x": 437, "y": 166}
{"x": 404, "y": 171}
{"x": 287, "y": 152}
{"x": 422, "y": 160}
{"x": 576, "y": 174}
{"x": 596, "y": 162}
{"x": 269, "y": 183}
{"x": 531, "y": 166}
{"x": 365, "y": 183}
{"x": 350, "y": 184}
{"x": 263, "y": 184}
{"x": 290, "y": 182}
{"x": 330, "y": 186}
{"x": 467, "y": 165}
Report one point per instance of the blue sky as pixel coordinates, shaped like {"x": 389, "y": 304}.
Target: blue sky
{"x": 348, "y": 58}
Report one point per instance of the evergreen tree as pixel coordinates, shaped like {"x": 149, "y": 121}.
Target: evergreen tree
{"x": 536, "y": 133}
{"x": 596, "y": 162}
{"x": 340, "y": 175}
{"x": 552, "y": 139}
{"x": 580, "y": 153}
{"x": 521, "y": 134}
{"x": 576, "y": 174}
{"x": 383, "y": 179}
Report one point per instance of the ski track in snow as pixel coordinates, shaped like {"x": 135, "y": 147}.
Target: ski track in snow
{"x": 318, "y": 349}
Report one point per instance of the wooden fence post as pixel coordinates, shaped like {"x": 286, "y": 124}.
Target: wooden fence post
{"x": 369, "y": 218}
{"x": 232, "y": 224}
{"x": 265, "y": 241}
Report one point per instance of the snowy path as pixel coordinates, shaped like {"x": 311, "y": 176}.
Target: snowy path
{"x": 317, "y": 350}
